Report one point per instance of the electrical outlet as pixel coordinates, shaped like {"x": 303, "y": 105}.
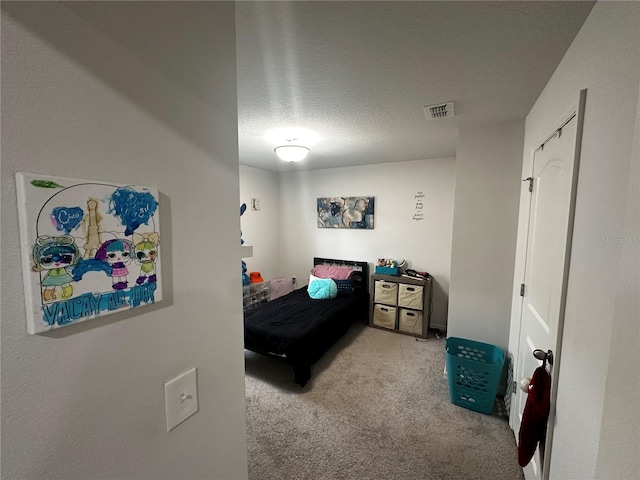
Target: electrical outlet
{"x": 181, "y": 398}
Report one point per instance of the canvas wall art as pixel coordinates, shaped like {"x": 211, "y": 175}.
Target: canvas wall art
{"x": 88, "y": 249}
{"x": 345, "y": 212}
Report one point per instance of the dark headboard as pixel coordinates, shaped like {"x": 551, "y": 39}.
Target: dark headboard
{"x": 360, "y": 270}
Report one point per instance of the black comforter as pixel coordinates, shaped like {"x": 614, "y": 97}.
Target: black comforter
{"x": 301, "y": 329}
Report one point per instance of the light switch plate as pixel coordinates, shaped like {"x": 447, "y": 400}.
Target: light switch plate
{"x": 181, "y": 398}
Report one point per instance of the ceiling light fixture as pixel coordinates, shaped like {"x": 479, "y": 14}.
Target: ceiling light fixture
{"x": 291, "y": 153}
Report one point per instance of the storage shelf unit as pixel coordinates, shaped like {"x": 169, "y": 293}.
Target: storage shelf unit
{"x": 400, "y": 304}
{"x": 255, "y": 294}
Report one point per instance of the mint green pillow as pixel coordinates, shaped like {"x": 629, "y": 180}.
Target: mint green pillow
{"x": 322, "y": 288}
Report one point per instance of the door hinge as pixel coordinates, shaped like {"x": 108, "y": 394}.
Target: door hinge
{"x": 530, "y": 180}
{"x": 513, "y": 387}
{"x": 522, "y": 289}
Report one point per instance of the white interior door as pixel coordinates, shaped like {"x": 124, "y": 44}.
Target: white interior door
{"x": 553, "y": 183}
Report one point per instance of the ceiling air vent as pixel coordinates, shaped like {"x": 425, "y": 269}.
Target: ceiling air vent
{"x": 442, "y": 110}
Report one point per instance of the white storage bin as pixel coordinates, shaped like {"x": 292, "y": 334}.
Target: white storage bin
{"x": 384, "y": 316}
{"x": 410, "y": 321}
{"x": 410, "y": 296}
{"x": 386, "y": 292}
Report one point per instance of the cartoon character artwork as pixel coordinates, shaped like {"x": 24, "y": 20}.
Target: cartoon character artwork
{"x": 81, "y": 240}
{"x": 117, "y": 254}
{"x": 55, "y": 257}
{"x": 146, "y": 255}
{"x": 112, "y": 258}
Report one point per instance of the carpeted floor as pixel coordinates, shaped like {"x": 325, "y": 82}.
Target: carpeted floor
{"x": 377, "y": 407}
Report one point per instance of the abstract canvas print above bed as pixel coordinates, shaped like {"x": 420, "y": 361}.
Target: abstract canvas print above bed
{"x": 345, "y": 212}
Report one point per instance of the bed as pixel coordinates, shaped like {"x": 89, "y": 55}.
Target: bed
{"x": 299, "y": 329}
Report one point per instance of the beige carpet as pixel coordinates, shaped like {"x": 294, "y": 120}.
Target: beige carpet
{"x": 377, "y": 407}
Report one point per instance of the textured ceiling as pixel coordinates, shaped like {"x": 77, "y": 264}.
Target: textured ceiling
{"x": 359, "y": 73}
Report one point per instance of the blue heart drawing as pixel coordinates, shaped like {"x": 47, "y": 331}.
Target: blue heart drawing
{"x": 133, "y": 208}
{"x": 66, "y": 219}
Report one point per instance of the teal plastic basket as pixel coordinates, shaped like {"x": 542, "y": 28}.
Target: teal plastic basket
{"x": 474, "y": 371}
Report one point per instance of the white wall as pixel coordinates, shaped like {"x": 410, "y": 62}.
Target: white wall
{"x": 425, "y": 244}
{"x": 616, "y": 458}
{"x": 488, "y": 183}
{"x": 142, "y": 93}
{"x": 597, "y": 424}
{"x": 260, "y": 228}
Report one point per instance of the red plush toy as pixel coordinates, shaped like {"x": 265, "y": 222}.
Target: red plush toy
{"x": 533, "y": 427}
